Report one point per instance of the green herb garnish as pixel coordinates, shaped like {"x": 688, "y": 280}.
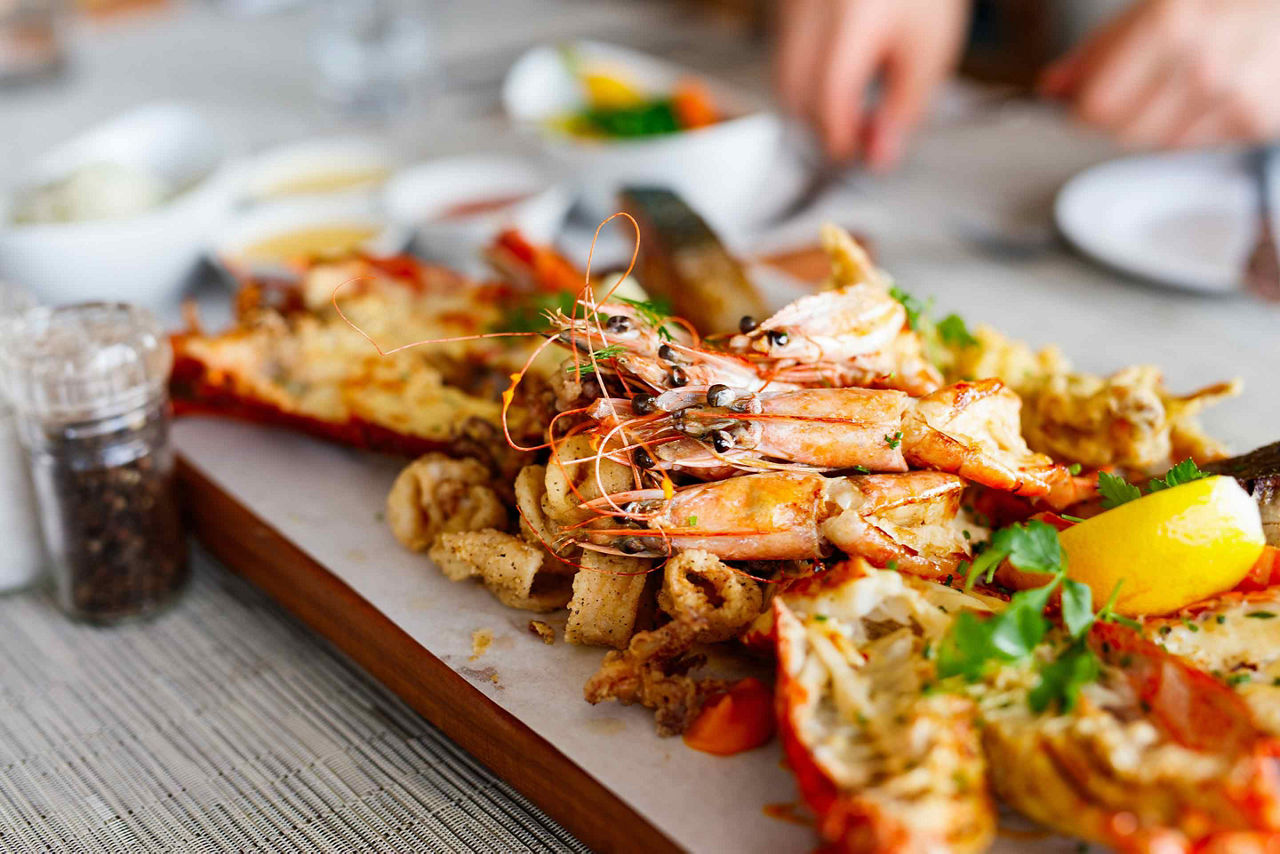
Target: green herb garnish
{"x": 1184, "y": 472}
{"x": 951, "y": 330}
{"x": 974, "y": 643}
{"x": 917, "y": 309}
{"x": 588, "y": 366}
{"x": 1115, "y": 490}
{"x": 654, "y": 312}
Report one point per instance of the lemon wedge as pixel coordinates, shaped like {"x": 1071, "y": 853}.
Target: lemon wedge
{"x": 1170, "y": 548}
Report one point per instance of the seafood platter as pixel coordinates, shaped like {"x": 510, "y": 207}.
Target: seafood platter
{"x": 697, "y": 570}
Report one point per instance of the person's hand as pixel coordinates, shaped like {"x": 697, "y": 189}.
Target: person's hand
{"x": 1170, "y": 73}
{"x": 830, "y": 52}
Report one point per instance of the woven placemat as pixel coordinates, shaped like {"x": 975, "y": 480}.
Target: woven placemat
{"x": 225, "y": 725}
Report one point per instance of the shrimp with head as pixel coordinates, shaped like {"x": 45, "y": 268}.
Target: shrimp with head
{"x": 909, "y": 519}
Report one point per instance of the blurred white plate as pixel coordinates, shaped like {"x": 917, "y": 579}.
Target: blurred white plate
{"x": 1182, "y": 219}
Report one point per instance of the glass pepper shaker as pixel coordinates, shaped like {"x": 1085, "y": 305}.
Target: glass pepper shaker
{"x": 89, "y": 384}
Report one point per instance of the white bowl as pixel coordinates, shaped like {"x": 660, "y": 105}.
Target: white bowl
{"x": 278, "y": 218}
{"x": 420, "y": 197}
{"x": 141, "y": 259}
{"x": 717, "y": 169}
{"x": 266, "y": 176}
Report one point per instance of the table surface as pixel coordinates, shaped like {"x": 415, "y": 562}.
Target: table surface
{"x": 223, "y": 723}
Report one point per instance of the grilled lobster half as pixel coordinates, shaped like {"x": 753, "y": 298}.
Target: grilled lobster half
{"x": 1155, "y": 755}
{"x": 291, "y": 360}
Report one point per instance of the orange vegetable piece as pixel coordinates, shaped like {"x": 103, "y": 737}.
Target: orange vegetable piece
{"x": 692, "y": 105}
{"x": 1265, "y": 571}
{"x": 740, "y": 719}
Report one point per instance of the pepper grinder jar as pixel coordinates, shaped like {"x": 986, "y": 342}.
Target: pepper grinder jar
{"x": 89, "y": 385}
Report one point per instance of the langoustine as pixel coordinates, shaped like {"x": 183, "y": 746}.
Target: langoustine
{"x": 970, "y": 429}
{"x": 910, "y": 520}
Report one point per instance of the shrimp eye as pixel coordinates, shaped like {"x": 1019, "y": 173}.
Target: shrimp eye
{"x": 720, "y": 395}
{"x": 747, "y": 324}
{"x": 679, "y": 378}
{"x": 643, "y": 459}
{"x": 721, "y": 441}
{"x": 630, "y": 546}
{"x": 644, "y": 404}
{"x": 618, "y": 323}
{"x": 666, "y": 354}
{"x": 778, "y": 338}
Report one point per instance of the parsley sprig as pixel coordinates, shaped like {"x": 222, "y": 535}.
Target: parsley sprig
{"x": 654, "y": 312}
{"x": 950, "y": 331}
{"x": 917, "y": 309}
{"x": 588, "y": 366}
{"x": 975, "y": 644}
{"x": 1115, "y": 490}
{"x": 953, "y": 331}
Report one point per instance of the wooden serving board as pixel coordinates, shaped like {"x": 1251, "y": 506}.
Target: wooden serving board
{"x": 302, "y": 520}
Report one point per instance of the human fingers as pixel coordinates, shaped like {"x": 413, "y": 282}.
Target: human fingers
{"x": 802, "y": 25}
{"x": 1063, "y": 78}
{"x": 854, "y": 52}
{"x": 1119, "y": 79}
{"x": 1170, "y": 104}
{"x": 910, "y": 78}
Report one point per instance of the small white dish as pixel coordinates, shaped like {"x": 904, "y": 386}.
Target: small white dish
{"x": 429, "y": 198}
{"x": 316, "y": 168}
{"x": 143, "y": 258}
{"x": 717, "y": 169}
{"x": 235, "y": 248}
{"x": 1182, "y": 219}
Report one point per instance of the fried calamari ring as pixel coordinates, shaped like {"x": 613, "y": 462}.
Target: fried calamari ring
{"x": 436, "y": 494}
{"x": 697, "y": 585}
